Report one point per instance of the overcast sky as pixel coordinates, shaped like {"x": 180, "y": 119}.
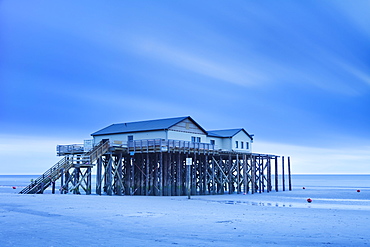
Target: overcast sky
{"x": 296, "y": 74}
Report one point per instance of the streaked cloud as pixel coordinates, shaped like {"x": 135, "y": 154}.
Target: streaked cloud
{"x": 295, "y": 73}
{"x": 351, "y": 159}
{"x": 220, "y": 68}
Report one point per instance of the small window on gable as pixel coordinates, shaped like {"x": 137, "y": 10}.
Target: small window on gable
{"x": 236, "y": 144}
{"x": 130, "y": 138}
{"x": 212, "y": 142}
{"x": 193, "y": 138}
{"x": 241, "y": 145}
{"x": 247, "y": 145}
{"x": 198, "y": 139}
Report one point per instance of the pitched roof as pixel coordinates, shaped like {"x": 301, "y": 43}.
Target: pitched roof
{"x": 158, "y": 124}
{"x": 227, "y": 133}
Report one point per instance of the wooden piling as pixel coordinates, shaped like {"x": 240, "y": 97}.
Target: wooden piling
{"x": 53, "y": 187}
{"x": 88, "y": 181}
{"x": 253, "y": 174}
{"x": 99, "y": 176}
{"x": 283, "y": 172}
{"x": 61, "y": 181}
{"x": 189, "y": 162}
{"x": 164, "y": 172}
{"x": 109, "y": 176}
{"x": 276, "y": 175}
{"x": 268, "y": 163}
{"x": 289, "y": 174}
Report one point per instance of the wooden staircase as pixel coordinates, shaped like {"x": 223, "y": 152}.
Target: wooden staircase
{"x": 44, "y": 181}
{"x": 95, "y": 153}
{"x": 56, "y": 171}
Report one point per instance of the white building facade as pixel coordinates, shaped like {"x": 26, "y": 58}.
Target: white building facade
{"x": 182, "y": 129}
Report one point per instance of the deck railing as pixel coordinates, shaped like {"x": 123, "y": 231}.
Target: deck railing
{"x": 43, "y": 181}
{"x": 149, "y": 144}
{"x": 70, "y": 149}
{"x": 167, "y": 144}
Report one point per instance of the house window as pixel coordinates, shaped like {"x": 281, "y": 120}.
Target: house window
{"x": 213, "y": 142}
{"x": 130, "y": 138}
{"x": 241, "y": 145}
{"x": 193, "y": 138}
{"x": 236, "y": 144}
{"x": 247, "y": 145}
{"x": 198, "y": 139}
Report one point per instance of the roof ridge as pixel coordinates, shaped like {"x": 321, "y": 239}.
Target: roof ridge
{"x": 138, "y": 126}
{"x": 151, "y": 120}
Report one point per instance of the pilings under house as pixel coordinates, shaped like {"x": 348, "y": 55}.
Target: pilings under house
{"x": 162, "y": 168}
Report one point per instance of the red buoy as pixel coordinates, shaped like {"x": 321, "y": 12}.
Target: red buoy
{"x": 309, "y": 200}
{"x": 14, "y": 187}
{"x": 358, "y": 190}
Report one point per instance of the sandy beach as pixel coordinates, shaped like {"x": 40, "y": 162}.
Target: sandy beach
{"x": 336, "y": 217}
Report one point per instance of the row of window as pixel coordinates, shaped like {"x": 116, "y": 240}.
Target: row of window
{"x": 241, "y": 145}
{"x": 198, "y": 139}
{"x": 195, "y": 139}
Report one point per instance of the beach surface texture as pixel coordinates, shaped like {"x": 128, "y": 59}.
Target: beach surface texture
{"x": 335, "y": 217}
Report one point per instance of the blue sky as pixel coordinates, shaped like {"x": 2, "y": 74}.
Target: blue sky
{"x": 296, "y": 74}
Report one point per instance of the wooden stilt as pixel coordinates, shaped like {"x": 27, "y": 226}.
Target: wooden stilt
{"x": 99, "y": 176}
{"x": 193, "y": 171}
{"x": 268, "y": 174}
{"x": 283, "y": 172}
{"x": 170, "y": 175}
{"x": 118, "y": 176}
{"x": 189, "y": 164}
{"x": 61, "y": 181}
{"x": 289, "y": 174}
{"x": 245, "y": 174}
{"x": 88, "y": 182}
{"x": 149, "y": 170}
{"x": 260, "y": 168}
{"x": 161, "y": 174}
{"x": 238, "y": 175}
{"x": 53, "y": 187}
{"x": 276, "y": 175}
{"x": 253, "y": 175}
{"x": 178, "y": 174}
{"x": 109, "y": 176}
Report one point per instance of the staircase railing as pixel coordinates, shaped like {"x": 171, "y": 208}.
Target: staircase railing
{"x": 98, "y": 151}
{"x": 51, "y": 175}
{"x": 55, "y": 172}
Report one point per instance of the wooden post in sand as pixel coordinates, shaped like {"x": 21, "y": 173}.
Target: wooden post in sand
{"x": 98, "y": 176}
{"x": 289, "y": 174}
{"x": 276, "y": 175}
{"x": 53, "y": 187}
{"x": 61, "y": 180}
{"x": 253, "y": 174}
{"x": 188, "y": 176}
{"x": 283, "y": 172}
{"x": 268, "y": 174}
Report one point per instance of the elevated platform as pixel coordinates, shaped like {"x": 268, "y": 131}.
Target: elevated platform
{"x": 160, "y": 168}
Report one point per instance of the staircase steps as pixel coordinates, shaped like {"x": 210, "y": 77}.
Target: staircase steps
{"x": 55, "y": 172}
{"x": 51, "y": 175}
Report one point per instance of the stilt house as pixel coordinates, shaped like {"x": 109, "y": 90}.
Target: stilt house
{"x": 184, "y": 129}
